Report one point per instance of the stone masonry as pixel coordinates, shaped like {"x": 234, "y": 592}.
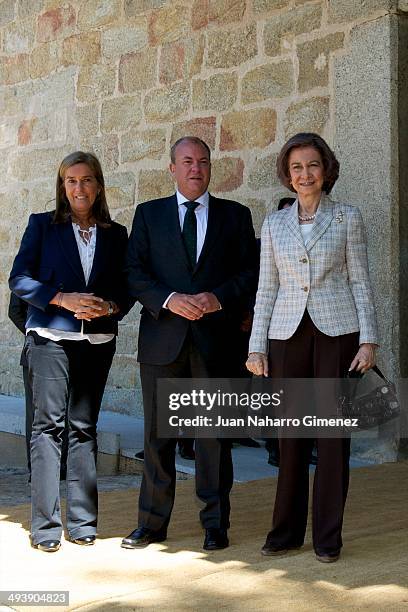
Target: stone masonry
{"x": 125, "y": 78}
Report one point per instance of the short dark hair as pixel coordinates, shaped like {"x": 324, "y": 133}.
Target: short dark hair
{"x": 284, "y": 201}
{"x": 308, "y": 139}
{"x": 193, "y": 140}
{"x": 100, "y": 209}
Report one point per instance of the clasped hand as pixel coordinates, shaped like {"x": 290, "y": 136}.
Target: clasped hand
{"x": 86, "y": 306}
{"x": 193, "y": 307}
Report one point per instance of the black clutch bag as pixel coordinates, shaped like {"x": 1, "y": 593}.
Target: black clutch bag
{"x": 371, "y": 409}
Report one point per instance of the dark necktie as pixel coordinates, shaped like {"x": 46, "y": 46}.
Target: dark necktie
{"x": 190, "y": 231}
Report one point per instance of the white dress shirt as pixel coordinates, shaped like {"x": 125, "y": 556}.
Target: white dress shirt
{"x": 201, "y": 213}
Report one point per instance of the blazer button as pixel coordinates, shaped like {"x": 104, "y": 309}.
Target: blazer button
{"x": 303, "y": 260}
{"x": 305, "y": 288}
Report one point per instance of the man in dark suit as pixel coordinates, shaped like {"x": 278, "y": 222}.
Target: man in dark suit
{"x": 192, "y": 264}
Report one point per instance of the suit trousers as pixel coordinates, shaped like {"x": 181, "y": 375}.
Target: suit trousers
{"x": 29, "y": 418}
{"x": 311, "y": 354}
{"x": 214, "y": 471}
{"x": 68, "y": 379}
{"x": 29, "y": 413}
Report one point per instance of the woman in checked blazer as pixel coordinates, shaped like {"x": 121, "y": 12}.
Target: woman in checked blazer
{"x": 314, "y": 318}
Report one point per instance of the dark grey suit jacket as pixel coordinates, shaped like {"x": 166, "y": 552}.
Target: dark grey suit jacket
{"x": 157, "y": 265}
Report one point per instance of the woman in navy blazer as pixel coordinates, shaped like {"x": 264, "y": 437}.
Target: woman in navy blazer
{"x": 69, "y": 270}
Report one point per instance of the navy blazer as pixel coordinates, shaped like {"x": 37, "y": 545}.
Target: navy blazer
{"x": 48, "y": 261}
{"x": 157, "y": 265}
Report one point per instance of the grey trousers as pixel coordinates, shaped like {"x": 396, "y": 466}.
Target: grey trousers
{"x": 68, "y": 379}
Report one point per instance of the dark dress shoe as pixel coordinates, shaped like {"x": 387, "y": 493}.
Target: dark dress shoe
{"x": 141, "y": 537}
{"x": 215, "y": 539}
{"x": 275, "y": 550}
{"x": 328, "y": 557}
{"x": 85, "y": 541}
{"x": 48, "y": 545}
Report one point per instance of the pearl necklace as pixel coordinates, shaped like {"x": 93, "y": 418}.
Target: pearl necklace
{"x": 307, "y": 218}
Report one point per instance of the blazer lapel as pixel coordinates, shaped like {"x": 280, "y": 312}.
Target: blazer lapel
{"x": 214, "y": 227}
{"x": 69, "y": 246}
{"x": 323, "y": 219}
{"x": 172, "y": 232}
{"x": 101, "y": 253}
{"x": 292, "y": 222}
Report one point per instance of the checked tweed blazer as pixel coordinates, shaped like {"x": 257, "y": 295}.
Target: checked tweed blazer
{"x": 328, "y": 275}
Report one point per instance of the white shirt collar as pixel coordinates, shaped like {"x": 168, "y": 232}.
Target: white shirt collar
{"x": 203, "y": 199}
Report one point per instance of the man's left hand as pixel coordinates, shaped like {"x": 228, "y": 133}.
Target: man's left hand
{"x": 208, "y": 302}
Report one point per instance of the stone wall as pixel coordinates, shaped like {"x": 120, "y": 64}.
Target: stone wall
{"x": 125, "y": 78}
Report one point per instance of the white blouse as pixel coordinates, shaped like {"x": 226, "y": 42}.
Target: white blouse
{"x": 305, "y": 230}
{"x": 86, "y": 242}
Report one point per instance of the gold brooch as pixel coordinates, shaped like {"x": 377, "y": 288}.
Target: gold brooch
{"x": 339, "y": 217}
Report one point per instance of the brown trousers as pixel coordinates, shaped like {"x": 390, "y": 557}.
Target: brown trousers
{"x": 311, "y": 354}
